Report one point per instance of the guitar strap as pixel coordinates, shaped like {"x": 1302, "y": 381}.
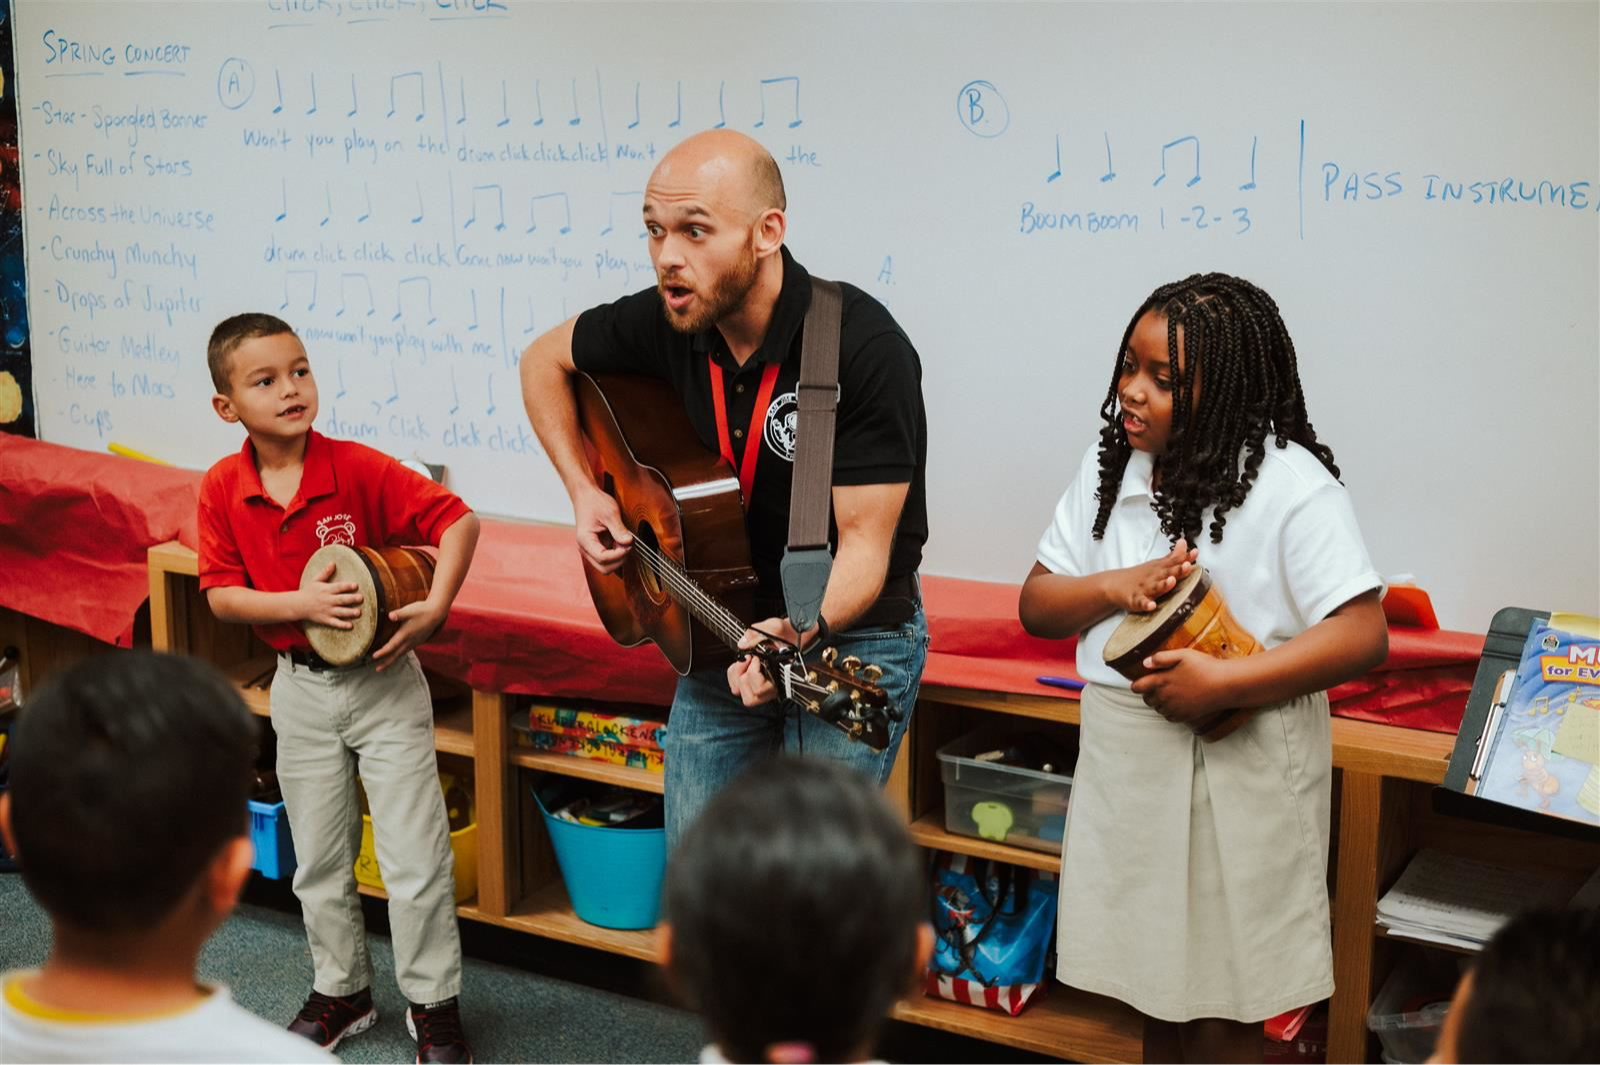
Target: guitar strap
{"x": 807, "y": 560}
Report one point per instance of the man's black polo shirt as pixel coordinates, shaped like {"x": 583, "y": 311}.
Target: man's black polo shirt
{"x": 880, "y": 436}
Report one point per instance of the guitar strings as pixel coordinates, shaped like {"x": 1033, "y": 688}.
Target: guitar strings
{"x": 719, "y": 618}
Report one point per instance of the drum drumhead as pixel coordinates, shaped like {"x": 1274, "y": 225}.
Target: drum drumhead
{"x": 342, "y": 647}
{"x": 1136, "y": 628}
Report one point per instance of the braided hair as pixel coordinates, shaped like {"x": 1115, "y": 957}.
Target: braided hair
{"x": 1233, "y": 336}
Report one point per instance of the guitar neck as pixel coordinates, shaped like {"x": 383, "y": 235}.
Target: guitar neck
{"x": 704, "y": 608}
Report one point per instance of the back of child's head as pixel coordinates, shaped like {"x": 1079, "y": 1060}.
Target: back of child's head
{"x": 1535, "y": 992}
{"x": 1237, "y": 347}
{"x": 794, "y": 902}
{"x": 129, "y": 773}
{"x": 229, "y": 334}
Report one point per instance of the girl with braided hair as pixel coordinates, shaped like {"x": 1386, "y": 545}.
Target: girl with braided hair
{"x": 1193, "y": 881}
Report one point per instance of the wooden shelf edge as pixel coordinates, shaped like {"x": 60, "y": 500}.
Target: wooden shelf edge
{"x": 1391, "y": 751}
{"x": 1364, "y": 746}
{"x": 173, "y": 557}
{"x": 588, "y": 769}
{"x": 1064, "y": 1024}
{"x": 1045, "y": 707}
{"x": 548, "y": 912}
{"x": 929, "y": 831}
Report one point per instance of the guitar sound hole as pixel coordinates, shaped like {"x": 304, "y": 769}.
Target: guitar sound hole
{"x": 648, "y": 576}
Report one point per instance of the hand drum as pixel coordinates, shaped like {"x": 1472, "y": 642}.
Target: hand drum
{"x": 1192, "y": 615}
{"x": 388, "y": 579}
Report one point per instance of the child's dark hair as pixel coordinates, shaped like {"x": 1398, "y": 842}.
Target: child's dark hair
{"x": 1234, "y": 337}
{"x": 1536, "y": 991}
{"x": 794, "y": 901}
{"x": 129, "y": 772}
{"x": 230, "y": 333}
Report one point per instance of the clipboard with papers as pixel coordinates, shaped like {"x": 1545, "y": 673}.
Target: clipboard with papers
{"x": 1524, "y": 757}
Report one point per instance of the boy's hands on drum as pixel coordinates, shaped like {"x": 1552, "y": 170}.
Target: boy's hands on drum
{"x": 1186, "y": 684}
{"x": 1137, "y": 588}
{"x": 333, "y": 605}
{"x": 418, "y": 621}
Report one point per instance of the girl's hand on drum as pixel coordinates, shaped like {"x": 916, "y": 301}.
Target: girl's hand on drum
{"x": 1137, "y": 588}
{"x": 418, "y": 621}
{"x": 333, "y": 605}
{"x": 1186, "y": 684}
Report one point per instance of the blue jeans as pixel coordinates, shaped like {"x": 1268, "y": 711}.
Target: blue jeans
{"x": 712, "y": 736}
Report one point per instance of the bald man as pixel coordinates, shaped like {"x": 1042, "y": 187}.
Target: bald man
{"x": 726, "y": 314}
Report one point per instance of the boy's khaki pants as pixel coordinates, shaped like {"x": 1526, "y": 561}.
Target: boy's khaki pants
{"x": 331, "y": 724}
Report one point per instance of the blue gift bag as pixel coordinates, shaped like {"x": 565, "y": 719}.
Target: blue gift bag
{"x": 995, "y": 927}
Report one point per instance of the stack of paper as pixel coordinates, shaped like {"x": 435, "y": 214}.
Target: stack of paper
{"x": 1459, "y": 902}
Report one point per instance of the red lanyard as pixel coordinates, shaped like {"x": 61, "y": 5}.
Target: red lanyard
{"x": 752, "y": 449}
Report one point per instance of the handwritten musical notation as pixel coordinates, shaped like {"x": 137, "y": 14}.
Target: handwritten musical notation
{"x": 410, "y": 284}
{"x": 299, "y": 282}
{"x": 762, "y": 121}
{"x": 1189, "y": 139}
{"x": 566, "y": 208}
{"x": 499, "y": 203}
{"x": 365, "y": 286}
{"x": 635, "y": 200}
{"x": 422, "y": 93}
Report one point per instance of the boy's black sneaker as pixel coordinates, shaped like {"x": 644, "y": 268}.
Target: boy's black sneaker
{"x": 326, "y": 1019}
{"x": 437, "y": 1029}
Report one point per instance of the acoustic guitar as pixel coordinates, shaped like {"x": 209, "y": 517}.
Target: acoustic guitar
{"x": 688, "y": 584}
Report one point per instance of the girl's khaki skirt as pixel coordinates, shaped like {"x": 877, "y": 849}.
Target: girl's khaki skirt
{"x": 1194, "y": 878}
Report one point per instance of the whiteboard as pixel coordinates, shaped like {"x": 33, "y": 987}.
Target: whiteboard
{"x": 423, "y": 187}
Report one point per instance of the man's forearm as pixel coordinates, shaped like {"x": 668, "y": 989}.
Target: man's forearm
{"x": 854, "y": 583}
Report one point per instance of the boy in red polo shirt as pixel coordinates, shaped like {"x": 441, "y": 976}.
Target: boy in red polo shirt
{"x": 263, "y": 512}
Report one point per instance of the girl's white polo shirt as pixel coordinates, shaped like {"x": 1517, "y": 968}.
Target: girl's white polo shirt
{"x": 1289, "y": 556}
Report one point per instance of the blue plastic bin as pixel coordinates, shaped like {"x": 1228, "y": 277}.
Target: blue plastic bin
{"x": 613, "y": 875}
{"x": 269, "y": 831}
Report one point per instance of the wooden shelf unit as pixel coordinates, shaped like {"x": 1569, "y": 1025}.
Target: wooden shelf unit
{"x": 587, "y": 769}
{"x": 1381, "y": 816}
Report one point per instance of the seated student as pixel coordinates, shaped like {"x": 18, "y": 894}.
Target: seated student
{"x": 1532, "y": 995}
{"x": 793, "y": 915}
{"x": 129, "y": 777}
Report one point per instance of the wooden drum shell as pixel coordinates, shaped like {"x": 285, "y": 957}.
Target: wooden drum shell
{"x": 1193, "y": 615}
{"x": 388, "y": 579}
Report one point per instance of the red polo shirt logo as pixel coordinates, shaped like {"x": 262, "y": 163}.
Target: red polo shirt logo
{"x": 336, "y": 529}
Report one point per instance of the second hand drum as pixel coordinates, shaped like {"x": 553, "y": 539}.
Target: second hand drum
{"x": 1192, "y": 615}
{"x": 388, "y": 579}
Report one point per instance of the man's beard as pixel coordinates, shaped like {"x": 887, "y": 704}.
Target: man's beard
{"x": 727, "y": 293}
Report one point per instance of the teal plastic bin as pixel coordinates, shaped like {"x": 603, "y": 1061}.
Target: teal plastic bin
{"x": 613, "y": 875}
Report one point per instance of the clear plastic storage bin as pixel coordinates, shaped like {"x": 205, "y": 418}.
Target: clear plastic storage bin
{"x": 1005, "y": 804}
{"x": 1410, "y": 1008}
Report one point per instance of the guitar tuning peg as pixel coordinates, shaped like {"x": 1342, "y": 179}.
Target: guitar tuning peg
{"x": 850, "y": 663}
{"x": 830, "y": 655}
{"x": 872, "y": 673}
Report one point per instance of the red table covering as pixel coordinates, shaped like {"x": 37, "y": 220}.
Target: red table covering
{"x": 75, "y": 525}
{"x": 74, "y": 528}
